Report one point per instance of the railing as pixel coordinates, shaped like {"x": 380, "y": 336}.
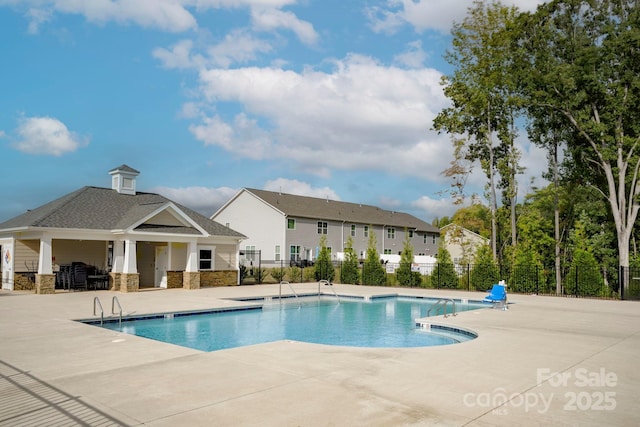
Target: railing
{"x": 327, "y": 283}
{"x": 442, "y": 303}
{"x": 114, "y": 301}
{"x": 96, "y": 303}
{"x": 284, "y": 282}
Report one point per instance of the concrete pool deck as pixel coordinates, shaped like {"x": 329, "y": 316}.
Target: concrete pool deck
{"x": 56, "y": 370}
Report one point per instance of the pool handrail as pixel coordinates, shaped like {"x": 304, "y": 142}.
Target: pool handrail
{"x": 114, "y": 301}
{"x": 328, "y": 283}
{"x": 284, "y": 282}
{"x": 442, "y": 302}
{"x": 97, "y": 300}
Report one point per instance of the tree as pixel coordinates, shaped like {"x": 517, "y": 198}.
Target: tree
{"x": 578, "y": 59}
{"x": 583, "y": 277}
{"x": 349, "y": 270}
{"x": 481, "y": 91}
{"x": 404, "y": 274}
{"x": 476, "y": 218}
{"x": 373, "y": 273}
{"x": 484, "y": 273}
{"x": 527, "y": 273}
{"x": 444, "y": 273}
{"x": 323, "y": 267}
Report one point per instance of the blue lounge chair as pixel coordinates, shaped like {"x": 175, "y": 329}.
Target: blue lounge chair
{"x": 497, "y": 296}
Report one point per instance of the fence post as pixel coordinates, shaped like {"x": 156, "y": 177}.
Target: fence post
{"x": 537, "y": 282}
{"x": 576, "y": 281}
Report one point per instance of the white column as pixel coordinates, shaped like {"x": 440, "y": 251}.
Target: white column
{"x": 192, "y": 257}
{"x": 237, "y": 263}
{"x": 118, "y": 256}
{"x": 44, "y": 262}
{"x": 130, "y": 264}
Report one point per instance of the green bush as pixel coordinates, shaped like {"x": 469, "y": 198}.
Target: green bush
{"x": 323, "y": 266}
{"x": 584, "y": 278}
{"x": 278, "y": 273}
{"x": 484, "y": 273}
{"x": 444, "y": 274}
{"x": 373, "y": 272}
{"x": 349, "y": 270}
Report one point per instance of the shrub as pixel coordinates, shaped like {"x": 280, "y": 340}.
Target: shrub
{"x": 349, "y": 270}
{"x": 444, "y": 273}
{"x": 278, "y": 273}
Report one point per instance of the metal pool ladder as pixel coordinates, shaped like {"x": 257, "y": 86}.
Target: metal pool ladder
{"x": 96, "y": 303}
{"x": 326, "y": 282}
{"x": 442, "y": 303}
{"x": 114, "y": 301}
{"x": 284, "y": 282}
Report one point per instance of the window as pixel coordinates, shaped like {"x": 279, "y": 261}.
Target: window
{"x": 387, "y": 251}
{"x": 205, "y": 259}
{"x": 353, "y": 230}
{"x": 366, "y": 231}
{"x": 291, "y": 223}
{"x": 424, "y": 238}
{"x": 250, "y": 253}
{"x": 391, "y": 233}
{"x": 322, "y": 227}
{"x": 410, "y": 234}
{"x": 294, "y": 253}
{"x": 434, "y": 239}
{"x": 277, "y": 252}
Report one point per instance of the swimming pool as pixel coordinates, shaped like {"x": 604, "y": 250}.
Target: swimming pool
{"x": 379, "y": 322}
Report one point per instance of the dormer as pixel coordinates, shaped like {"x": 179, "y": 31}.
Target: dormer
{"x": 123, "y": 179}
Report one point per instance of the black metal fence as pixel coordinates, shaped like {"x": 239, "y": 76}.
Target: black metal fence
{"x": 575, "y": 281}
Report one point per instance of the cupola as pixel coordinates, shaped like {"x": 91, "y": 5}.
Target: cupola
{"x": 123, "y": 179}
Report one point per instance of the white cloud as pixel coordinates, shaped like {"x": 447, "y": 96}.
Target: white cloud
{"x": 201, "y": 199}
{"x": 178, "y": 56}
{"x": 435, "y": 208}
{"x": 270, "y": 19}
{"x": 438, "y": 15}
{"x": 413, "y": 57}
{"x": 293, "y": 186}
{"x": 239, "y": 46}
{"x": 362, "y": 115}
{"x": 47, "y": 136}
{"x": 243, "y": 137}
{"x": 165, "y": 15}
{"x": 36, "y": 18}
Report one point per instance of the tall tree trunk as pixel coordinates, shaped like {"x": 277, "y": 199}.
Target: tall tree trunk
{"x": 556, "y": 218}
{"x": 492, "y": 189}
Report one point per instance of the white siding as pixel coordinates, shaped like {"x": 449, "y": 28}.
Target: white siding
{"x": 263, "y": 225}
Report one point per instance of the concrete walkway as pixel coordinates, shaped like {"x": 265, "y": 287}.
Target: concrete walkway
{"x": 545, "y": 361}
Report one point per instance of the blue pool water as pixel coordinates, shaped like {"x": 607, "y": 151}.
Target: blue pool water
{"x": 381, "y": 322}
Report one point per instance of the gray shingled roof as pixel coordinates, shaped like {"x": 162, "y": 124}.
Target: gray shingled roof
{"x": 94, "y": 208}
{"x": 312, "y": 207}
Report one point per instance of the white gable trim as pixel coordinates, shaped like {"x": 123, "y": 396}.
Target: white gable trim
{"x": 175, "y": 212}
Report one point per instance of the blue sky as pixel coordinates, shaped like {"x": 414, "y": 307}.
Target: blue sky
{"x": 326, "y": 98}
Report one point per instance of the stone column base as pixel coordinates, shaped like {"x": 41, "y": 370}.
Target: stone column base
{"x": 45, "y": 283}
{"x": 129, "y": 282}
{"x": 191, "y": 280}
{"x": 114, "y": 281}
